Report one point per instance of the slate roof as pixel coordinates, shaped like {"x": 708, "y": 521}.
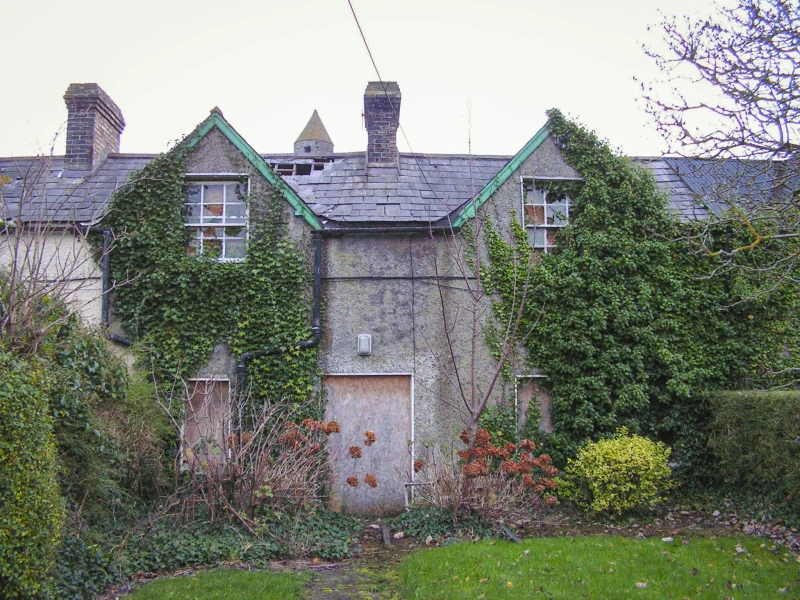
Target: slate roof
{"x": 426, "y": 189}
{"x": 42, "y": 188}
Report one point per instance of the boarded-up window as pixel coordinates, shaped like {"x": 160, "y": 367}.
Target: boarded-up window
{"x": 207, "y": 421}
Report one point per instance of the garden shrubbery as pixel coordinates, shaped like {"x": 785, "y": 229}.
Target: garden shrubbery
{"x": 32, "y": 508}
{"x": 619, "y": 474}
{"x": 754, "y": 439}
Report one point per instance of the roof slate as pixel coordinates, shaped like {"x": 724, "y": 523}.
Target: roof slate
{"x": 42, "y": 189}
{"x": 425, "y": 189}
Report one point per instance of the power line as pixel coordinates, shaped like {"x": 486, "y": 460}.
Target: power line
{"x": 402, "y": 130}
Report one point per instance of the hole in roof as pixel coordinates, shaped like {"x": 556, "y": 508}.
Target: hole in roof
{"x": 303, "y": 169}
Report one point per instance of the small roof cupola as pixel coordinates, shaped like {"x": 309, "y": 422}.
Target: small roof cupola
{"x": 314, "y": 139}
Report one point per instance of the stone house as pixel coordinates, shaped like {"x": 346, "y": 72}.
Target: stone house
{"x": 377, "y": 229}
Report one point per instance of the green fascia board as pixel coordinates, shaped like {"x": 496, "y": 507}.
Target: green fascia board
{"x": 471, "y": 208}
{"x": 301, "y": 209}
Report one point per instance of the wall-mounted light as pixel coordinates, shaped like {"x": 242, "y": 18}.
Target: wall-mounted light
{"x": 364, "y": 345}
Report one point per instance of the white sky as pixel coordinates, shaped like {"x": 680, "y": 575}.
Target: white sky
{"x": 268, "y": 64}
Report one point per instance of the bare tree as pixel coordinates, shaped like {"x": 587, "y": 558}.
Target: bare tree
{"x": 47, "y": 267}
{"x": 729, "y": 92}
{"x": 467, "y": 309}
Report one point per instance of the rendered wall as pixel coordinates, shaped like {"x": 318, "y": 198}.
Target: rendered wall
{"x": 62, "y": 263}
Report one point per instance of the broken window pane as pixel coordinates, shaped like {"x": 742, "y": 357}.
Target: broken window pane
{"x": 213, "y": 193}
{"x": 235, "y": 212}
{"x": 234, "y": 247}
{"x": 220, "y": 205}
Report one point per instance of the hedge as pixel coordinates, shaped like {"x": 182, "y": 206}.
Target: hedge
{"x": 32, "y": 509}
{"x": 755, "y": 437}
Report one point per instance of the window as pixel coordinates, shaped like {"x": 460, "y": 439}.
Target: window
{"x": 217, "y": 213}
{"x": 207, "y": 421}
{"x": 546, "y": 207}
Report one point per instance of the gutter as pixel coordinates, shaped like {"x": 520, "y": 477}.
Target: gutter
{"x": 316, "y": 328}
{"x": 448, "y": 228}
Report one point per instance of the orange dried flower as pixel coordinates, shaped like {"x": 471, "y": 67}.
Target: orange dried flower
{"x": 464, "y": 454}
{"x": 539, "y": 489}
{"x": 464, "y": 437}
{"x": 370, "y": 480}
{"x": 528, "y": 480}
{"x": 332, "y": 427}
{"x": 480, "y": 452}
{"x": 293, "y": 438}
{"x": 550, "y": 470}
{"x": 355, "y": 452}
{"x": 509, "y": 447}
{"x": 352, "y": 481}
{"x": 370, "y": 438}
{"x": 523, "y": 467}
{"x": 246, "y": 437}
{"x": 313, "y": 448}
{"x": 233, "y": 441}
{"x": 312, "y": 425}
{"x": 527, "y": 445}
{"x": 482, "y": 438}
{"x": 476, "y": 469}
{"x": 418, "y": 464}
{"x": 291, "y": 425}
{"x": 550, "y": 500}
{"x": 509, "y": 466}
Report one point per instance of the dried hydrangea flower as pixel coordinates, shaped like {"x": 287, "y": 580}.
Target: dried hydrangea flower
{"x": 355, "y": 452}
{"x": 352, "y": 481}
{"x": 370, "y": 480}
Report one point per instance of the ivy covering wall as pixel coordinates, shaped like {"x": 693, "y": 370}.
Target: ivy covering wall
{"x": 178, "y": 306}
{"x": 627, "y": 320}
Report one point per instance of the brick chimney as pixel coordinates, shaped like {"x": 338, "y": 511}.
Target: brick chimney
{"x": 382, "y": 117}
{"x": 94, "y": 125}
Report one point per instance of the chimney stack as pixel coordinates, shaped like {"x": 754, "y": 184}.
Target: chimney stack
{"x": 94, "y": 126}
{"x": 382, "y": 117}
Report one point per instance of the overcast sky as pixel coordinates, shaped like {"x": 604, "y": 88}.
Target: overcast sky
{"x": 269, "y": 64}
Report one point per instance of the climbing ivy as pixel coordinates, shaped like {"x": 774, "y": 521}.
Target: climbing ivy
{"x": 635, "y": 331}
{"x": 178, "y": 306}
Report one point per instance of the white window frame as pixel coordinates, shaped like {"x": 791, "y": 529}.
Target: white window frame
{"x": 545, "y": 228}
{"x": 200, "y": 179}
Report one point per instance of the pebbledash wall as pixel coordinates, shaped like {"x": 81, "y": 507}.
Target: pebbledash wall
{"x": 381, "y": 284}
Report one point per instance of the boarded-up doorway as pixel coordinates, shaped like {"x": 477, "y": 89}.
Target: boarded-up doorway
{"x": 206, "y": 422}
{"x": 381, "y": 404}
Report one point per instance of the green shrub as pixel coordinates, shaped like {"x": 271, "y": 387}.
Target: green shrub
{"x": 32, "y": 510}
{"x": 501, "y": 423}
{"x": 168, "y": 549}
{"x": 754, "y": 438}
{"x": 439, "y": 523}
{"x": 619, "y": 474}
{"x": 324, "y": 534}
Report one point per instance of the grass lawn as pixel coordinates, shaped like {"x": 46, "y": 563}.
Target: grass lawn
{"x": 226, "y": 584}
{"x": 603, "y": 567}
